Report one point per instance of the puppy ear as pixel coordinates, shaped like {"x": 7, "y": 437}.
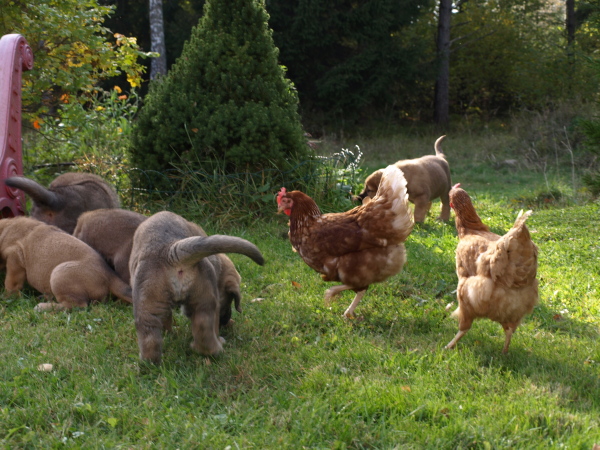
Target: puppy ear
{"x": 237, "y": 300}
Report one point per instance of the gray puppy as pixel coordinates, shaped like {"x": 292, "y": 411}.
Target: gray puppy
{"x": 110, "y": 232}
{"x": 173, "y": 263}
{"x": 69, "y": 195}
{"x": 427, "y": 178}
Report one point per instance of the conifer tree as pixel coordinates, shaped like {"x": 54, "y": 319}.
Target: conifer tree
{"x": 225, "y": 100}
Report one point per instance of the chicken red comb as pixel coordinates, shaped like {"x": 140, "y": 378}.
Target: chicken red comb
{"x": 280, "y": 194}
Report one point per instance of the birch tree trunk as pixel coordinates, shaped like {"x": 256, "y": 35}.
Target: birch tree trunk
{"x": 442, "y": 84}
{"x": 158, "y": 66}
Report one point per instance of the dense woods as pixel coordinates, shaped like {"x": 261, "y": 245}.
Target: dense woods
{"x": 355, "y": 60}
{"x": 350, "y": 60}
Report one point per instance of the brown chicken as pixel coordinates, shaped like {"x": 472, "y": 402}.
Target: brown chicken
{"x": 496, "y": 274}
{"x": 359, "y": 247}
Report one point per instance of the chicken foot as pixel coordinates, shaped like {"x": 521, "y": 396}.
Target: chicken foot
{"x": 453, "y": 342}
{"x": 509, "y": 329}
{"x": 334, "y": 291}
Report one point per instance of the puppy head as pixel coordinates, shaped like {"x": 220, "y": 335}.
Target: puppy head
{"x": 371, "y": 186}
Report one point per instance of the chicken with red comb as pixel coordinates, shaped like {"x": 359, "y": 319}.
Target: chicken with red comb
{"x": 357, "y": 248}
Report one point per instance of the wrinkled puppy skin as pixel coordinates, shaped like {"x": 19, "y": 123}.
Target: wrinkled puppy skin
{"x": 56, "y": 264}
{"x": 67, "y": 197}
{"x": 173, "y": 263}
{"x": 110, "y": 232}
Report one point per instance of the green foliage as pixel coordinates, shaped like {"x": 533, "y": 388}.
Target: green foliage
{"x": 512, "y": 55}
{"x": 226, "y": 102}
{"x": 92, "y": 137}
{"x": 244, "y": 198}
{"x": 347, "y": 57}
{"x": 591, "y": 130}
{"x": 73, "y": 51}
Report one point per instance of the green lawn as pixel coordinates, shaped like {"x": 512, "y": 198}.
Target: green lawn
{"x": 295, "y": 374}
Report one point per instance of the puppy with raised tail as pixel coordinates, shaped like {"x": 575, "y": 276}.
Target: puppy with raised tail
{"x": 174, "y": 263}
{"x": 427, "y": 178}
{"x": 56, "y": 264}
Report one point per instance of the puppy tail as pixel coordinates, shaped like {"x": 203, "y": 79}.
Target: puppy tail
{"x": 39, "y": 194}
{"x": 191, "y": 250}
{"x": 120, "y": 289}
{"x": 438, "y": 147}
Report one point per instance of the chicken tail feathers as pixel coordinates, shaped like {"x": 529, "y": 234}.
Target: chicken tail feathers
{"x": 392, "y": 193}
{"x": 513, "y": 259}
{"x": 521, "y": 218}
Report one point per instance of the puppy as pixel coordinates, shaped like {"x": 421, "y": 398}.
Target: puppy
{"x": 110, "y": 233}
{"x": 56, "y": 264}
{"x": 69, "y": 195}
{"x": 427, "y": 178}
{"x": 173, "y": 263}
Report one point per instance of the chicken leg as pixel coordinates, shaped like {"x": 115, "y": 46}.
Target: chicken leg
{"x": 332, "y": 292}
{"x": 509, "y": 329}
{"x": 453, "y": 342}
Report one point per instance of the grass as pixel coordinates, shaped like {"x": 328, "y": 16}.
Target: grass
{"x": 294, "y": 374}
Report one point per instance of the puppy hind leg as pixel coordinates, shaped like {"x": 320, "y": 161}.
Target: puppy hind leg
{"x": 68, "y": 287}
{"x": 421, "y": 209}
{"x": 445, "y": 211}
{"x": 15, "y": 274}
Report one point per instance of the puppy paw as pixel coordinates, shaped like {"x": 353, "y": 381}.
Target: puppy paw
{"x": 42, "y": 307}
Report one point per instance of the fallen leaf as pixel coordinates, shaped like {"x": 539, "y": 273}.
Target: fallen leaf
{"x": 405, "y": 388}
{"x": 45, "y": 367}
{"x": 296, "y": 285}
{"x": 557, "y": 317}
{"x": 258, "y": 299}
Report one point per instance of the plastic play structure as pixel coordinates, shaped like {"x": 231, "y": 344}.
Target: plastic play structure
{"x": 15, "y": 57}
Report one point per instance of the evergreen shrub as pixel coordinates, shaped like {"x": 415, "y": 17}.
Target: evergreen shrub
{"x": 225, "y": 103}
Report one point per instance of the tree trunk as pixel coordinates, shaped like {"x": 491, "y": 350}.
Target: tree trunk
{"x": 442, "y": 84}
{"x": 570, "y": 25}
{"x": 158, "y": 66}
{"x": 570, "y": 21}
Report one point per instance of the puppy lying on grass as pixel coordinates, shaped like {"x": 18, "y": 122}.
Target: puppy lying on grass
{"x": 173, "y": 263}
{"x": 110, "y": 233}
{"x": 427, "y": 178}
{"x": 56, "y": 264}
{"x": 69, "y": 195}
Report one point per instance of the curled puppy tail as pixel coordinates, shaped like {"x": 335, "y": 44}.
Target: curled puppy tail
{"x": 438, "y": 147}
{"x": 190, "y": 250}
{"x": 38, "y": 193}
